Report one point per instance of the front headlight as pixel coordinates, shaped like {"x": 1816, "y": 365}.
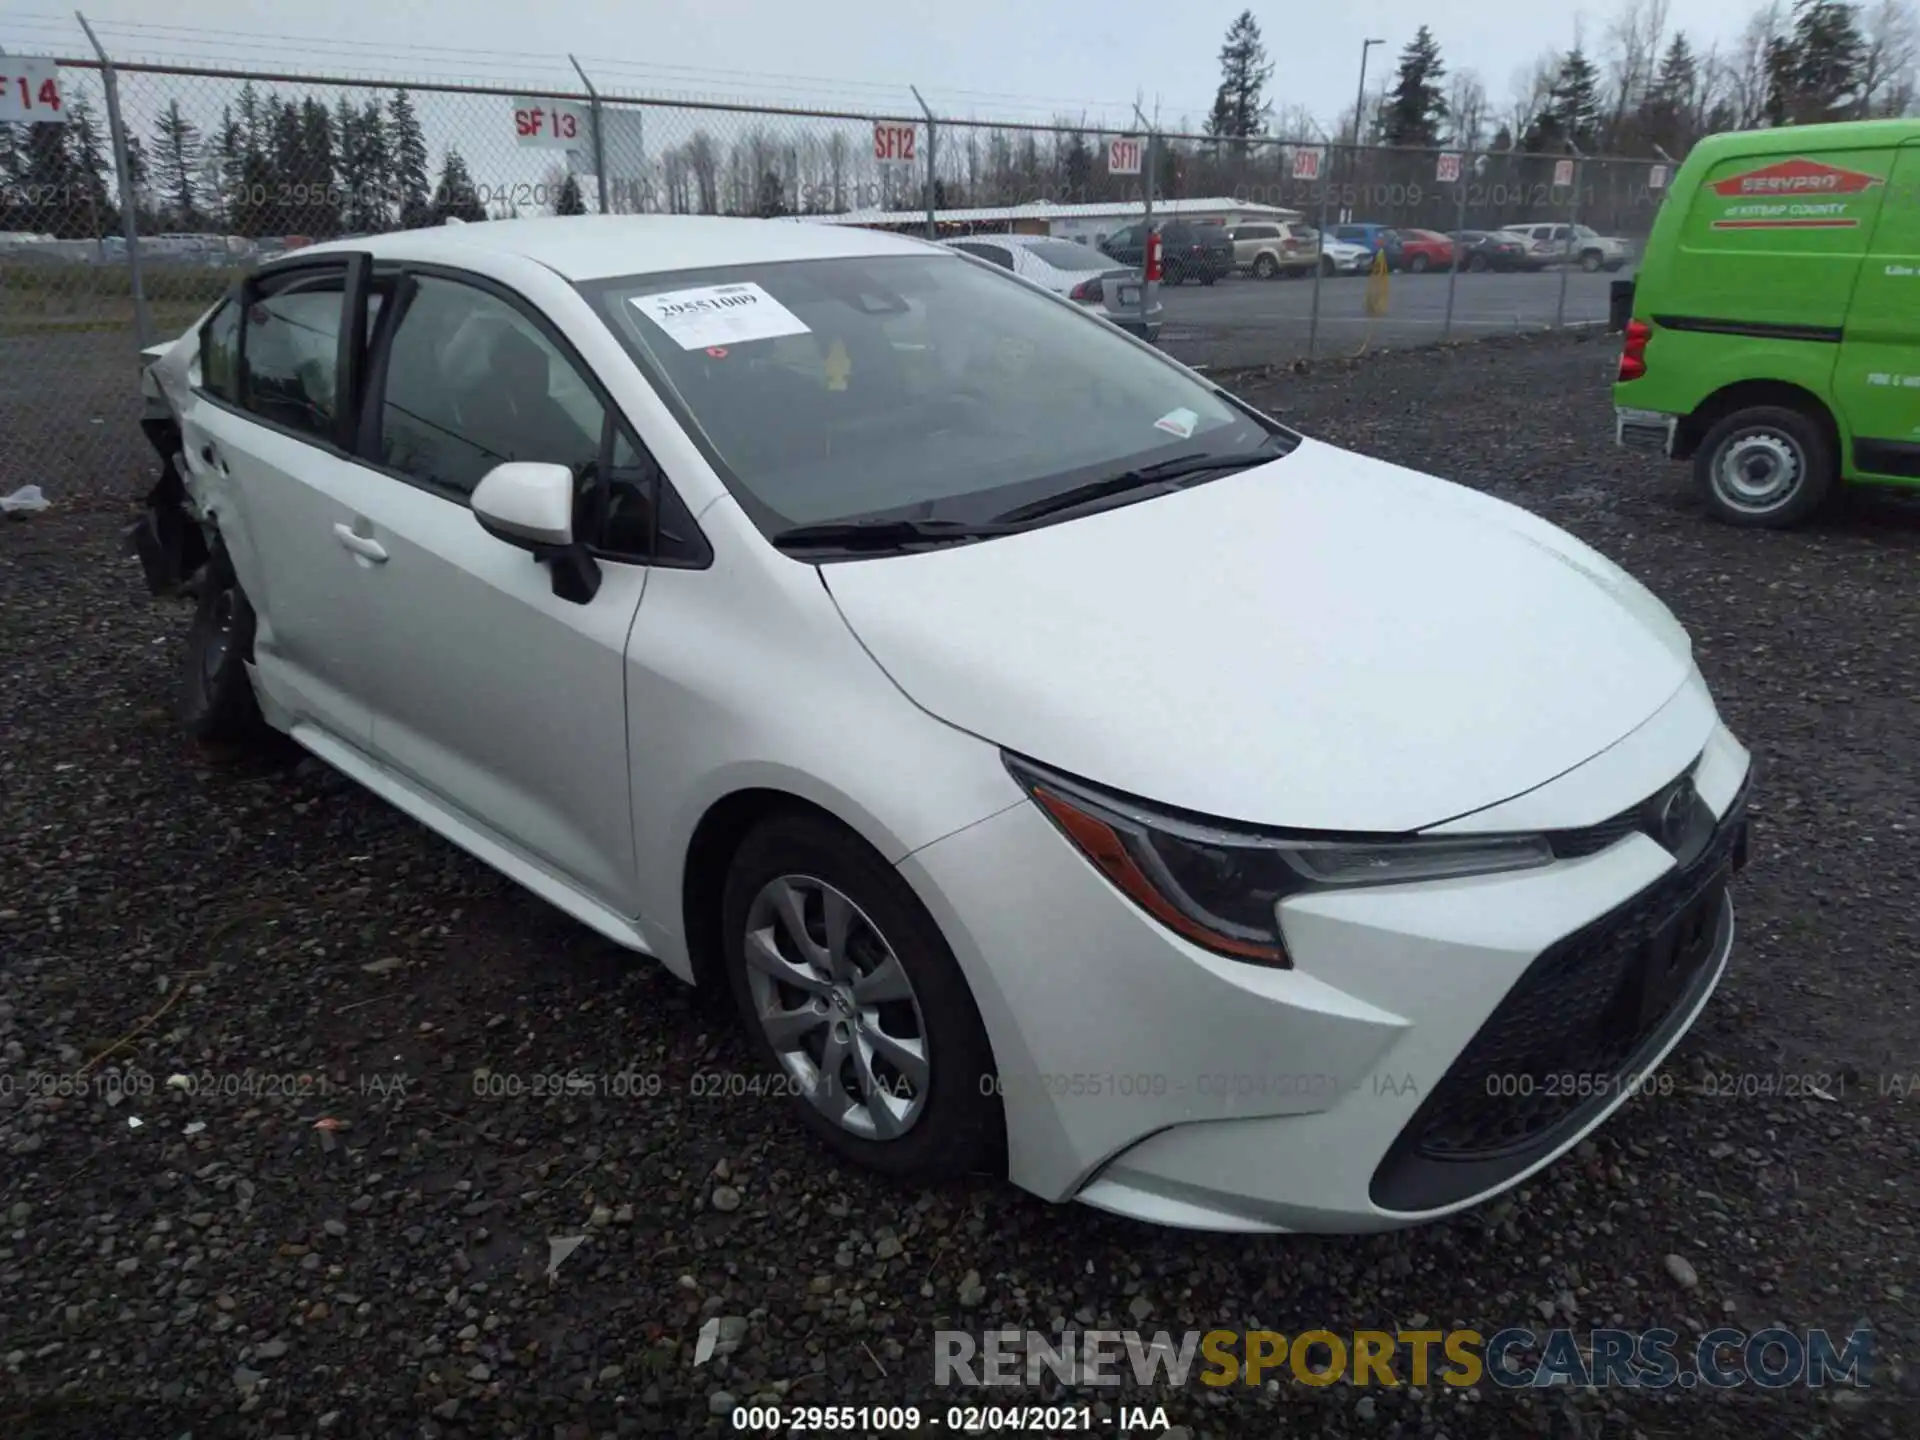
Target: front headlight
{"x": 1220, "y": 884}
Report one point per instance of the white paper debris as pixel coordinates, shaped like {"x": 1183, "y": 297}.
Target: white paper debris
{"x": 559, "y": 1247}
{"x": 709, "y": 1336}
{"x": 719, "y": 315}
{"x": 133, "y": 1122}
{"x": 179, "y": 1082}
{"x": 194, "y": 1127}
{"x": 27, "y": 500}
{"x": 1178, "y": 422}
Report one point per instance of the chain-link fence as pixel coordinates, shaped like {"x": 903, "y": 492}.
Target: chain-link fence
{"x": 108, "y": 239}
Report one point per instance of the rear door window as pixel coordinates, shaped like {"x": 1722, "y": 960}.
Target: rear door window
{"x": 292, "y": 346}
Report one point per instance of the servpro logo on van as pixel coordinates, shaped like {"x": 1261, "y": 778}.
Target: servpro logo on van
{"x": 1798, "y": 194}
{"x": 1797, "y": 177}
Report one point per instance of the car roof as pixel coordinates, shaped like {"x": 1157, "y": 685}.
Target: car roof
{"x": 596, "y": 247}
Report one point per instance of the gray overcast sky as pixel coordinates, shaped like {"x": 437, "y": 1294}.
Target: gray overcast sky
{"x": 1013, "y": 58}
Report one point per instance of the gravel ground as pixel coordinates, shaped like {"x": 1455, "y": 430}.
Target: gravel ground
{"x": 231, "y": 1266}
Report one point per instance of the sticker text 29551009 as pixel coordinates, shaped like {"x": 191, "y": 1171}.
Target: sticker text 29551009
{"x": 719, "y": 315}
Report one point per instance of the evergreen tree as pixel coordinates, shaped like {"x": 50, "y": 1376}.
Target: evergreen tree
{"x": 569, "y": 201}
{"x": 456, "y": 197}
{"x": 1667, "y": 114}
{"x": 408, "y": 146}
{"x": 769, "y": 200}
{"x": 176, "y": 143}
{"x": 1572, "y": 111}
{"x": 286, "y": 149}
{"x": 1417, "y": 107}
{"x": 1240, "y": 106}
{"x": 1814, "y": 71}
{"x": 320, "y": 215}
{"x": 94, "y": 213}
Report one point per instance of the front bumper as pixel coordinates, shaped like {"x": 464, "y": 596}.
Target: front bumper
{"x": 1148, "y": 1077}
{"x": 1644, "y": 429}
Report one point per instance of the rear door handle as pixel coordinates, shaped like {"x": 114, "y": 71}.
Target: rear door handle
{"x": 365, "y": 546}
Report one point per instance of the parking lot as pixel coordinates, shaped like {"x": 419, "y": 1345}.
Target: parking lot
{"x": 363, "y": 1248}
{"x": 1250, "y": 322}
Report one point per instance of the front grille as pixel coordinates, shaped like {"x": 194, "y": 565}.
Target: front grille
{"x": 1541, "y": 1065}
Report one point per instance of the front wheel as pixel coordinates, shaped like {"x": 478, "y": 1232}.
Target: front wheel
{"x": 1418, "y": 265}
{"x": 1590, "y": 261}
{"x": 1765, "y": 467}
{"x": 1326, "y": 265}
{"x": 216, "y": 703}
{"x": 1172, "y": 275}
{"x": 1265, "y": 268}
{"x": 1477, "y": 264}
{"x": 849, "y": 990}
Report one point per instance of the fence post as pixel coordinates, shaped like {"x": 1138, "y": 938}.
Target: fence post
{"x": 1566, "y": 257}
{"x": 1320, "y": 267}
{"x": 129, "y": 197}
{"x": 1149, "y": 287}
{"x": 599, "y": 146}
{"x": 933, "y": 176}
{"x": 1459, "y": 229}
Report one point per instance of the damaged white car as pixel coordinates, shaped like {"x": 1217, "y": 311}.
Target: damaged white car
{"x": 1067, "y": 768}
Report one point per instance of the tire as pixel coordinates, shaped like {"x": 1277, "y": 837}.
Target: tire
{"x": 949, "y": 1123}
{"x": 1766, "y": 467}
{"x": 1590, "y": 260}
{"x": 1327, "y": 267}
{"x": 1477, "y": 263}
{"x": 1265, "y": 267}
{"x": 1208, "y": 277}
{"x": 1418, "y": 265}
{"x": 1172, "y": 274}
{"x": 216, "y": 702}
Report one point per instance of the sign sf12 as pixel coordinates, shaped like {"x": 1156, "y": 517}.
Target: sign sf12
{"x": 551, "y": 124}
{"x": 895, "y": 143}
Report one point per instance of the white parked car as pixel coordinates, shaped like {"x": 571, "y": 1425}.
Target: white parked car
{"x": 1572, "y": 245}
{"x": 1081, "y": 273}
{"x": 1343, "y": 257}
{"x": 1066, "y": 767}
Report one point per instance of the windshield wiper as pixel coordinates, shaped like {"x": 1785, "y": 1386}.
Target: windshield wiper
{"x": 881, "y": 534}
{"x": 1180, "y": 467}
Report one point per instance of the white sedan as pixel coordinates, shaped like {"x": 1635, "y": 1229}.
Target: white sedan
{"x": 1067, "y": 768}
{"x": 1079, "y": 272}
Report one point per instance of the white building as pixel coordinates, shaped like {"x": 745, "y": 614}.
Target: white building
{"x": 1088, "y": 224}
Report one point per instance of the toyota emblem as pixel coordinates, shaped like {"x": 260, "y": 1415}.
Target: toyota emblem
{"x": 1675, "y": 811}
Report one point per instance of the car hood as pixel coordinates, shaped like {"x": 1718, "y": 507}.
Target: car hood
{"x": 1327, "y": 642}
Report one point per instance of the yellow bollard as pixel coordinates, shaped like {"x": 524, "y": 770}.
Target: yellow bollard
{"x": 1377, "y": 287}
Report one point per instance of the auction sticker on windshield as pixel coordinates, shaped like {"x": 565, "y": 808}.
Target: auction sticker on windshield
{"x": 719, "y": 315}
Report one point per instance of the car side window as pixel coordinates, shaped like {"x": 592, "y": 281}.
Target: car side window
{"x": 291, "y": 351}
{"x": 998, "y": 254}
{"x": 220, "y": 352}
{"x": 472, "y": 382}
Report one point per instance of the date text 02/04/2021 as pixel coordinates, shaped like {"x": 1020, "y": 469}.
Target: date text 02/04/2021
{"x": 960, "y": 1419}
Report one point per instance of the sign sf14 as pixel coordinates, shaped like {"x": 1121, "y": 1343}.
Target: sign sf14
{"x": 30, "y": 91}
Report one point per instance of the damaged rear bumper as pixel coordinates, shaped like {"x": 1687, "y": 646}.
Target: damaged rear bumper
{"x": 166, "y": 536}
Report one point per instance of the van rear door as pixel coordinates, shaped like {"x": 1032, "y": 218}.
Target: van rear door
{"x": 1878, "y": 381}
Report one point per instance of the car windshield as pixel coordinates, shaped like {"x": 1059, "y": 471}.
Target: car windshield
{"x": 1065, "y": 255}
{"x": 908, "y": 386}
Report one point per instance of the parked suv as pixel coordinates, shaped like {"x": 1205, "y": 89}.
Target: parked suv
{"x": 1187, "y": 251}
{"x": 1268, "y": 248}
{"x": 1556, "y": 244}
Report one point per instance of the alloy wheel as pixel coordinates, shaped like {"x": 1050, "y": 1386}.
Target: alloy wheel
{"x": 833, "y": 1000}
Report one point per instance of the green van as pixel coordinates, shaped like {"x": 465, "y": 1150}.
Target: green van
{"x": 1773, "y": 328}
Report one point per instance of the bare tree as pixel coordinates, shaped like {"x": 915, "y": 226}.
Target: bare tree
{"x": 1744, "y": 78}
{"x": 1634, "y": 39}
{"x": 1892, "y": 36}
{"x": 1467, "y": 105}
{"x": 1531, "y": 92}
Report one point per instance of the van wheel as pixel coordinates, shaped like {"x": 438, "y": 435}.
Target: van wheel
{"x": 851, "y": 996}
{"x": 1768, "y": 467}
{"x": 217, "y": 704}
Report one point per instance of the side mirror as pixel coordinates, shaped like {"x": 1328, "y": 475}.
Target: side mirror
{"x": 527, "y": 503}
